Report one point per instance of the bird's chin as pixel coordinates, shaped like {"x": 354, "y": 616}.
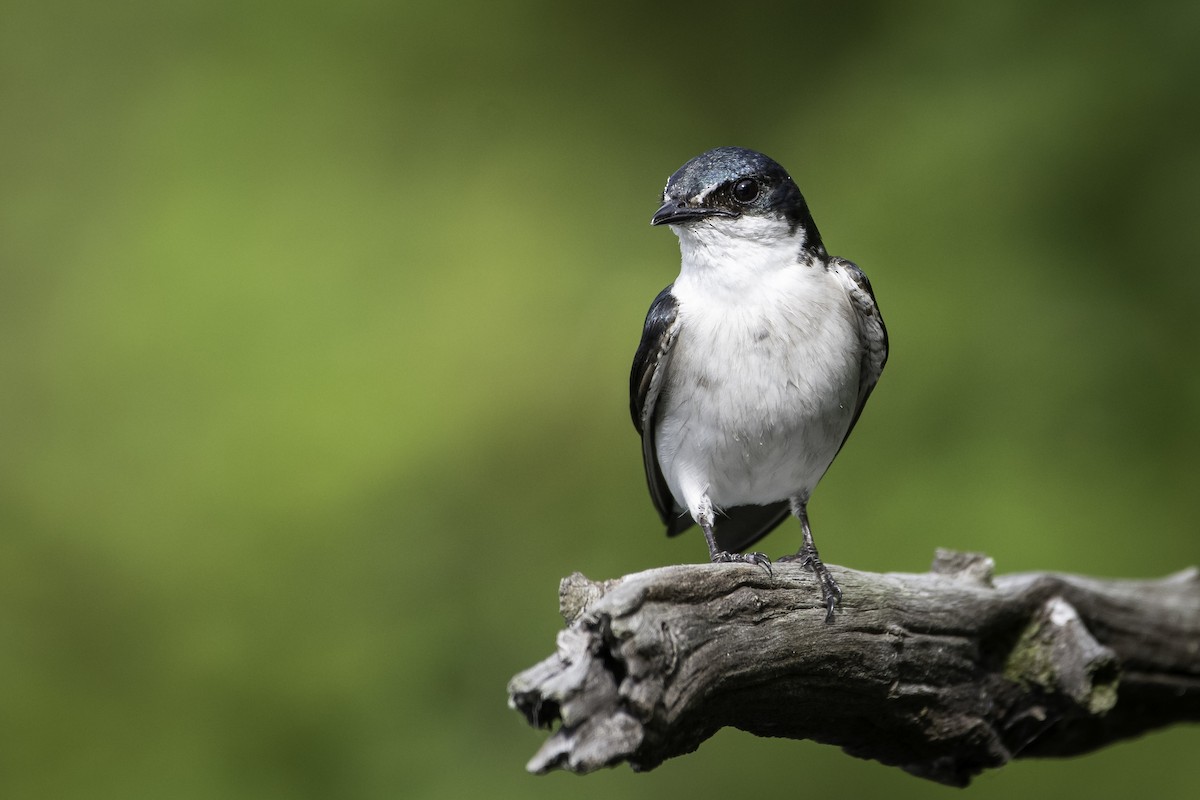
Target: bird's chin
{"x": 709, "y": 229}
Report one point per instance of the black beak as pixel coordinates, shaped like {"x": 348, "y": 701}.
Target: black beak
{"x": 674, "y": 212}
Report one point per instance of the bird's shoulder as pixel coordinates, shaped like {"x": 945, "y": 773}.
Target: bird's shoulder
{"x": 649, "y": 362}
{"x": 866, "y": 308}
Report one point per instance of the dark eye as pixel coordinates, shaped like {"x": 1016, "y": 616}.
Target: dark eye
{"x": 745, "y": 190}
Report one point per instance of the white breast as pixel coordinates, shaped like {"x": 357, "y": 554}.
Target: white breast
{"x": 763, "y": 378}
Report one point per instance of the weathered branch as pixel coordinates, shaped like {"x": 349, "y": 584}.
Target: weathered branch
{"x": 943, "y": 674}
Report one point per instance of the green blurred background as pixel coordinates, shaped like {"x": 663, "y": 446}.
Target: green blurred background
{"x": 316, "y": 320}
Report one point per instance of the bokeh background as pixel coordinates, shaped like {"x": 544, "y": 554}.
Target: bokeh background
{"x": 315, "y": 327}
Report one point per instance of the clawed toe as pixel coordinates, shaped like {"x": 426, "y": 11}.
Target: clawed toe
{"x": 805, "y": 556}
{"x": 831, "y": 594}
{"x": 759, "y": 559}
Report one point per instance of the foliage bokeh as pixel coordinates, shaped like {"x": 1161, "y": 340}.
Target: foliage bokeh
{"x": 315, "y": 323}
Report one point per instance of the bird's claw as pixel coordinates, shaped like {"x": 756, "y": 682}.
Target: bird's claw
{"x": 759, "y": 559}
{"x": 831, "y": 593}
{"x": 805, "y": 556}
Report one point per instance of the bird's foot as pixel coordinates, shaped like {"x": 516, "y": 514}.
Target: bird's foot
{"x": 831, "y": 593}
{"x": 744, "y": 558}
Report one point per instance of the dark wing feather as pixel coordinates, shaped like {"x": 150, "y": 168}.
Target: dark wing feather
{"x": 741, "y": 526}
{"x": 871, "y": 330}
{"x": 646, "y": 381}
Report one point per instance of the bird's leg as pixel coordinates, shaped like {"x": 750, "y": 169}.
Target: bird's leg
{"x": 831, "y": 595}
{"x": 705, "y": 519}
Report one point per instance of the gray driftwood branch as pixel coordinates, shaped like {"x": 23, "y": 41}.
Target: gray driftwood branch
{"x": 944, "y": 674}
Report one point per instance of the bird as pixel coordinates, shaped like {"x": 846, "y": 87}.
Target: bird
{"x": 754, "y": 364}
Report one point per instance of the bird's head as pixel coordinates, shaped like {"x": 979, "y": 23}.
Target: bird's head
{"x": 736, "y": 192}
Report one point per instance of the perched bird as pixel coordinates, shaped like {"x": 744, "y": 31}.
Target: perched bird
{"x": 754, "y": 364}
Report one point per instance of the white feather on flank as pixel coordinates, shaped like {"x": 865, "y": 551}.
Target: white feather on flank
{"x": 764, "y": 374}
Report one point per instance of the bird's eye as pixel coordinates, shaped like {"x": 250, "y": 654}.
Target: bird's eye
{"x": 745, "y": 190}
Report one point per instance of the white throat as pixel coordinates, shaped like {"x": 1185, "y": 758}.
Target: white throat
{"x": 727, "y": 259}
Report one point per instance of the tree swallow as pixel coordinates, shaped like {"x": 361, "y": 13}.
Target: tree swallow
{"x": 754, "y": 364}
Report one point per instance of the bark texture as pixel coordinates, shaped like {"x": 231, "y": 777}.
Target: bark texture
{"x": 943, "y": 674}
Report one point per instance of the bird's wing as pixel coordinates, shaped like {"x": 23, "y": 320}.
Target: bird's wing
{"x": 871, "y": 330}
{"x": 646, "y": 381}
{"x": 739, "y": 527}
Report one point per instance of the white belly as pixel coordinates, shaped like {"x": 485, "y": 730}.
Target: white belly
{"x": 759, "y": 395}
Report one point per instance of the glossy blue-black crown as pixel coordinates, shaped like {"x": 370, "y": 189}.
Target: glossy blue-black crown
{"x": 730, "y": 182}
